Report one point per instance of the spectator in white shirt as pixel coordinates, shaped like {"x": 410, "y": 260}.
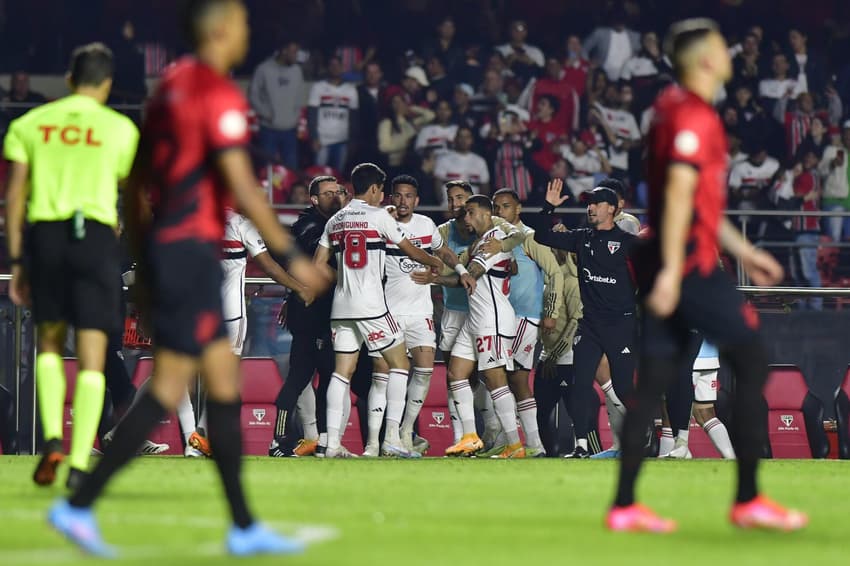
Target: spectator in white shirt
{"x": 585, "y": 164}
{"x": 834, "y": 169}
{"x": 611, "y": 47}
{"x": 645, "y": 69}
{"x": 461, "y": 163}
{"x": 440, "y": 136}
{"x": 332, "y": 116}
{"x": 749, "y": 182}
{"x": 619, "y": 126}
{"x": 523, "y": 59}
{"x": 779, "y": 85}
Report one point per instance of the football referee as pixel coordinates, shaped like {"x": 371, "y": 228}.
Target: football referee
{"x": 67, "y": 158}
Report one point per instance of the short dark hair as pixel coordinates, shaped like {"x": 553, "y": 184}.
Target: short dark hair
{"x": 482, "y": 201}
{"x": 365, "y": 175}
{"x": 683, "y": 35}
{"x": 193, "y": 15}
{"x": 506, "y": 191}
{"x": 459, "y": 183}
{"x": 553, "y": 102}
{"x": 91, "y": 64}
{"x": 315, "y": 182}
{"x": 405, "y": 180}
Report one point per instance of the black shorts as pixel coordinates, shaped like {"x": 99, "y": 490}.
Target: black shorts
{"x": 709, "y": 304}
{"x": 185, "y": 280}
{"x": 75, "y": 281}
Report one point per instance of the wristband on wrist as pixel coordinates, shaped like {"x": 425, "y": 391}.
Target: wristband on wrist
{"x": 461, "y": 270}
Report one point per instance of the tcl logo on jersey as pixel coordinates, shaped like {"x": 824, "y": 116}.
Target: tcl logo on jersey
{"x": 69, "y": 135}
{"x": 374, "y": 336}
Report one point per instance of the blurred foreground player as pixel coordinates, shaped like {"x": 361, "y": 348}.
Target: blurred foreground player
{"x": 682, "y": 287}
{"x": 191, "y": 164}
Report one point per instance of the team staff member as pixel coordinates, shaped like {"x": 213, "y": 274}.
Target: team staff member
{"x": 67, "y": 159}
{"x": 191, "y": 166}
{"x": 310, "y": 325}
{"x": 682, "y": 287}
{"x": 607, "y": 294}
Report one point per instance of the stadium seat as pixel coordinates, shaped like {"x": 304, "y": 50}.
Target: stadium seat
{"x": 794, "y": 416}
{"x": 261, "y": 382}
{"x": 435, "y": 424}
{"x": 168, "y": 430}
{"x": 842, "y": 415}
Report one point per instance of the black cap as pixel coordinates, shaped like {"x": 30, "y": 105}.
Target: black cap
{"x": 600, "y": 194}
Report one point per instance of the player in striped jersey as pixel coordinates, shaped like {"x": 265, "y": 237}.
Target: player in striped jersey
{"x": 412, "y": 309}
{"x": 358, "y": 235}
{"x": 536, "y": 267}
{"x": 241, "y": 239}
{"x": 485, "y": 340}
{"x": 458, "y": 236}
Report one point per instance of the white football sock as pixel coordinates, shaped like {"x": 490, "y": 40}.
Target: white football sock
{"x": 338, "y": 392}
{"x": 582, "y": 443}
{"x": 616, "y": 413}
{"x": 682, "y": 437}
{"x": 505, "y": 405}
{"x": 527, "y": 410}
{"x": 718, "y": 434}
{"x": 457, "y": 428}
{"x": 396, "y": 394}
{"x": 483, "y": 403}
{"x": 667, "y": 442}
{"x": 377, "y": 407}
{"x": 462, "y": 401}
{"x": 202, "y": 420}
{"x": 306, "y": 406}
{"x": 417, "y": 390}
{"x": 186, "y": 417}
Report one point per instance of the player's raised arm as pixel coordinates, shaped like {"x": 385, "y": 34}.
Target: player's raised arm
{"x": 543, "y": 233}
{"x": 675, "y": 222}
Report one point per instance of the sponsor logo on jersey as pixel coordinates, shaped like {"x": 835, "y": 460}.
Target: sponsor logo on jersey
{"x": 598, "y": 278}
{"x": 373, "y": 336}
{"x": 626, "y": 350}
{"x": 408, "y": 265}
{"x": 613, "y": 247}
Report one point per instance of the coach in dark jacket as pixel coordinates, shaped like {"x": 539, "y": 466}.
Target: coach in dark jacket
{"x": 607, "y": 294}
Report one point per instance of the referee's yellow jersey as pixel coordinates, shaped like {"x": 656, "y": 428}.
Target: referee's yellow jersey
{"x": 77, "y": 150}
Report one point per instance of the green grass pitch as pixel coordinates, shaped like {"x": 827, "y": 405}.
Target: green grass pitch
{"x": 436, "y": 511}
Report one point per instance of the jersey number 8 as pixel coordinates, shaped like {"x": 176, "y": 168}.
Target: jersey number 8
{"x": 355, "y": 254}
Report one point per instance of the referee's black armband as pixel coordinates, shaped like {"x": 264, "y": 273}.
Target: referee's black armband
{"x": 547, "y": 208}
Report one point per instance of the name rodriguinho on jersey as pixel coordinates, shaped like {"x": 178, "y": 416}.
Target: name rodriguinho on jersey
{"x": 350, "y": 225}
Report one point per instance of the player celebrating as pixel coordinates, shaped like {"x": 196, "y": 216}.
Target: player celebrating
{"x": 458, "y": 236}
{"x": 682, "y": 286}
{"x": 536, "y": 267}
{"x": 412, "y": 309}
{"x": 191, "y": 162}
{"x": 485, "y": 340}
{"x": 67, "y": 158}
{"x": 358, "y": 236}
{"x": 241, "y": 238}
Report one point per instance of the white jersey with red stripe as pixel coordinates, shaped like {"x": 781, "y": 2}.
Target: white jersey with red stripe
{"x": 490, "y": 311}
{"x": 358, "y": 235}
{"x": 241, "y": 238}
{"x": 404, "y": 297}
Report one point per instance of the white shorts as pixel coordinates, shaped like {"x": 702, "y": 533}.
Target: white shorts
{"x": 705, "y": 385}
{"x": 378, "y": 333}
{"x": 490, "y": 351}
{"x": 236, "y": 330}
{"x": 527, "y": 331}
{"x": 450, "y": 326}
{"x": 417, "y": 330}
